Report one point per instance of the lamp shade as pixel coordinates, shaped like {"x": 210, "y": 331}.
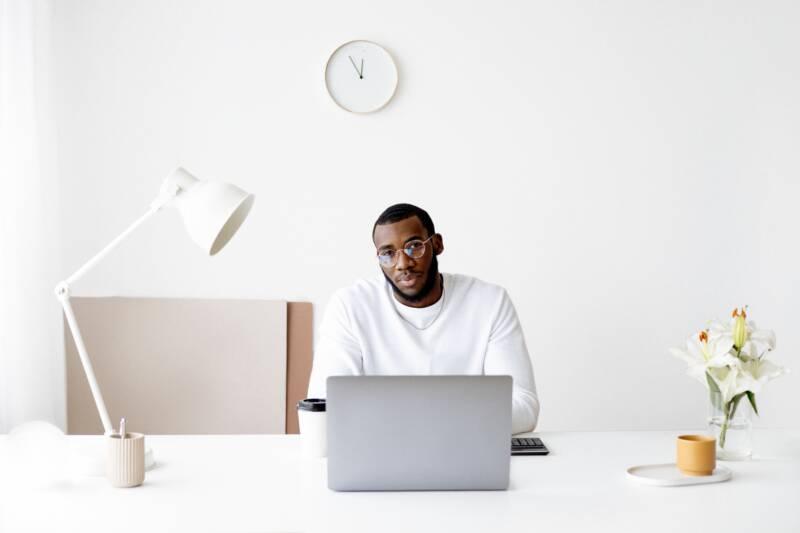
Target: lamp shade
{"x": 211, "y": 211}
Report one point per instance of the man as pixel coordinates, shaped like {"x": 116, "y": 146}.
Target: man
{"x": 414, "y": 320}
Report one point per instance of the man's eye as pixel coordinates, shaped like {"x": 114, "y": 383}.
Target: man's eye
{"x": 414, "y": 246}
{"x": 386, "y": 253}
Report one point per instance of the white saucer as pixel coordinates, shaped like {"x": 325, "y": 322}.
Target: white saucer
{"x": 668, "y": 475}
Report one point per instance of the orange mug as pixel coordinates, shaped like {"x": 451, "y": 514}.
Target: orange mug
{"x": 697, "y": 455}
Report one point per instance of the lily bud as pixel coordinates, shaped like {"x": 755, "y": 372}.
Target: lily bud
{"x": 739, "y": 328}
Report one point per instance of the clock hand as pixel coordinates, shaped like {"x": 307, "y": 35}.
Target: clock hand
{"x": 362, "y": 68}
{"x": 355, "y": 67}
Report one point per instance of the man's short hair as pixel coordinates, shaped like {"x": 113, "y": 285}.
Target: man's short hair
{"x": 398, "y": 212}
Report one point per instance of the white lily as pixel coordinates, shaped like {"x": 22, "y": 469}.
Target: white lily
{"x": 719, "y": 331}
{"x": 704, "y": 352}
{"x": 759, "y": 341}
{"x": 727, "y": 379}
{"x": 754, "y": 374}
{"x": 743, "y": 334}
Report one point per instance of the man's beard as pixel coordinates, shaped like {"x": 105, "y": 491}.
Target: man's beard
{"x": 430, "y": 284}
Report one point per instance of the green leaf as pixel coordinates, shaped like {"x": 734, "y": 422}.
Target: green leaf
{"x": 712, "y": 385}
{"x": 752, "y": 397}
{"x": 734, "y": 403}
{"x": 714, "y": 395}
{"x": 716, "y": 400}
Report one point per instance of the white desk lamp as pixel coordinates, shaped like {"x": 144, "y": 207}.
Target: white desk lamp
{"x": 212, "y": 212}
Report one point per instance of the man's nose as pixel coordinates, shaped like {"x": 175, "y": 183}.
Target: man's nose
{"x": 403, "y": 261}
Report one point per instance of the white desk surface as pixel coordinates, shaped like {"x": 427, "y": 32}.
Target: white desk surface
{"x": 261, "y": 483}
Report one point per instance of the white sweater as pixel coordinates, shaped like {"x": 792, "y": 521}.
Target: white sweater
{"x": 473, "y": 330}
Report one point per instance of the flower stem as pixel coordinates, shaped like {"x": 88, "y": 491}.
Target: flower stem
{"x": 724, "y": 431}
{"x": 730, "y": 410}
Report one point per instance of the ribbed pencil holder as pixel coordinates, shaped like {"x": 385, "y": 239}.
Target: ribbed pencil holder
{"x": 125, "y": 460}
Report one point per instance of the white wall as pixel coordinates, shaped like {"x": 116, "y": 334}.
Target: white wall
{"x": 627, "y": 169}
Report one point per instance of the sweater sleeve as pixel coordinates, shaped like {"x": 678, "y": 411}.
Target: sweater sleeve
{"x": 507, "y": 354}
{"x": 338, "y": 352}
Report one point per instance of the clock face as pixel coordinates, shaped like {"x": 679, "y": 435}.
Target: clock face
{"x": 361, "y": 76}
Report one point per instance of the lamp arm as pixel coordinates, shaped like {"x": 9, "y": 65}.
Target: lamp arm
{"x": 157, "y": 204}
{"x": 63, "y": 294}
{"x": 87, "y": 364}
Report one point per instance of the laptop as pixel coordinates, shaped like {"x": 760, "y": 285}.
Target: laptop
{"x": 418, "y": 432}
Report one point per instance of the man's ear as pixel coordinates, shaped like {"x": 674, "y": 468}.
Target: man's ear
{"x": 438, "y": 244}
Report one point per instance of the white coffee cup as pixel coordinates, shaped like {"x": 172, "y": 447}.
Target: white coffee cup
{"x": 313, "y": 427}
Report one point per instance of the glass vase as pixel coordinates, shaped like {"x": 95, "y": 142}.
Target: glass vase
{"x": 734, "y": 434}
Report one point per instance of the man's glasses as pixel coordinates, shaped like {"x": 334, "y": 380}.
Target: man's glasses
{"x": 414, "y": 249}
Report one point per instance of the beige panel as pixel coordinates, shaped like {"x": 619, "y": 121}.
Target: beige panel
{"x": 299, "y": 349}
{"x": 180, "y": 366}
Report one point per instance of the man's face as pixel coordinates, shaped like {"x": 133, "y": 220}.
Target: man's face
{"x": 412, "y": 278}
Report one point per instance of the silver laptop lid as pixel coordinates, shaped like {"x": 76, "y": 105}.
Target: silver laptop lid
{"x": 419, "y": 432}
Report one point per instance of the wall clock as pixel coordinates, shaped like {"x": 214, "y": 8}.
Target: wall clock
{"x": 361, "y": 76}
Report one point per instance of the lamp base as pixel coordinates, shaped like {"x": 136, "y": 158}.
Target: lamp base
{"x": 149, "y": 459}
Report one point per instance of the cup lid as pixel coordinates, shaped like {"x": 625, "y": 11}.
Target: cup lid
{"x": 312, "y": 404}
